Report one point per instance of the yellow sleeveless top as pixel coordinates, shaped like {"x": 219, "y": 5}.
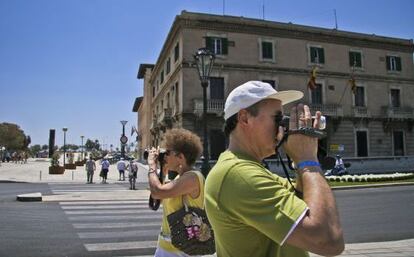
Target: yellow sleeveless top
{"x": 171, "y": 205}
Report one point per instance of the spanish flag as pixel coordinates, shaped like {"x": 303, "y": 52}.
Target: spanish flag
{"x": 353, "y": 85}
{"x": 312, "y": 79}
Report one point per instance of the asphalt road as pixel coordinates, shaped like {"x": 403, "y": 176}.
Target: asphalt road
{"x": 376, "y": 214}
{"x": 43, "y": 229}
{"x": 34, "y": 228}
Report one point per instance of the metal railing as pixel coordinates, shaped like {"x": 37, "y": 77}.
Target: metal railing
{"x": 398, "y": 112}
{"x": 213, "y": 106}
{"x": 361, "y": 111}
{"x": 328, "y": 109}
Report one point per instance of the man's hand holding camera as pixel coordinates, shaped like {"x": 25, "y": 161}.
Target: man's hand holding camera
{"x": 300, "y": 146}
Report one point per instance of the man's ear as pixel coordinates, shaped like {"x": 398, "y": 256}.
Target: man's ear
{"x": 242, "y": 116}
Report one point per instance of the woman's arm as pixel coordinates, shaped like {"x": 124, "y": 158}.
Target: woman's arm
{"x": 185, "y": 184}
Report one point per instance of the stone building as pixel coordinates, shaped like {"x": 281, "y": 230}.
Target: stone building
{"x": 373, "y": 118}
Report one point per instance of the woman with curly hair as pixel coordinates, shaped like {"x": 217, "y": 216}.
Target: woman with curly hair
{"x": 182, "y": 148}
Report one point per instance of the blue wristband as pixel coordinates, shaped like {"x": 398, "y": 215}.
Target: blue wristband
{"x": 304, "y": 164}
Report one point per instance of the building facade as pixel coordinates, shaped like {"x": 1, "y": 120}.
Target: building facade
{"x": 364, "y": 83}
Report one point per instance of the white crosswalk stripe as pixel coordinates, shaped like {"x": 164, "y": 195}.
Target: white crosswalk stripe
{"x": 121, "y": 227}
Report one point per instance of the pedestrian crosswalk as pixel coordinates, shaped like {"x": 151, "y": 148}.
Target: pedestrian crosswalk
{"x": 120, "y": 227}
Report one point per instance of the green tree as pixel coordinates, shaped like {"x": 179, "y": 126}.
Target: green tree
{"x": 12, "y": 137}
{"x": 45, "y": 147}
{"x": 90, "y": 145}
{"x": 34, "y": 149}
{"x": 70, "y": 147}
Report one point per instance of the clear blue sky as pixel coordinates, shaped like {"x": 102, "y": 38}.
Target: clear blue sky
{"x": 74, "y": 63}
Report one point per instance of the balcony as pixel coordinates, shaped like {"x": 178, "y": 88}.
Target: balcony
{"x": 214, "y": 106}
{"x": 165, "y": 117}
{"x": 334, "y": 110}
{"x": 361, "y": 112}
{"x": 398, "y": 112}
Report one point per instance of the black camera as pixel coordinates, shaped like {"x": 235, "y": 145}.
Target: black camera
{"x": 283, "y": 121}
{"x": 161, "y": 155}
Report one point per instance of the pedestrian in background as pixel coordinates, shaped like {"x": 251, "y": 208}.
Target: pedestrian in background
{"x": 90, "y": 169}
{"x": 255, "y": 212}
{"x": 182, "y": 150}
{"x": 121, "y": 166}
{"x": 105, "y": 169}
{"x": 132, "y": 173}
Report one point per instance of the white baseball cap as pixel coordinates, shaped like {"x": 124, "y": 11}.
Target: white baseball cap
{"x": 252, "y": 92}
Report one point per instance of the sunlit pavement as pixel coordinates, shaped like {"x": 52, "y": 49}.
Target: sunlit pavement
{"x": 36, "y": 171}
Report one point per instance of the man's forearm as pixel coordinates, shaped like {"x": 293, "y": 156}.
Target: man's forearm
{"x": 320, "y": 199}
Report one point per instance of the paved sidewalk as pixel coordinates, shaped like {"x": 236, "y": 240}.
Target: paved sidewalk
{"x": 31, "y": 173}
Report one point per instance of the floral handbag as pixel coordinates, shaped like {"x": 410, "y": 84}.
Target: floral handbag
{"x": 191, "y": 231}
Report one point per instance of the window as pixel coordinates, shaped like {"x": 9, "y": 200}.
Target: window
{"x": 177, "y": 96}
{"x": 393, "y": 63}
{"x": 362, "y": 143}
{"x": 217, "y": 45}
{"x": 162, "y": 77}
{"x": 360, "y": 97}
{"x": 168, "y": 100}
{"x": 271, "y": 82}
{"x": 217, "y": 143}
{"x": 168, "y": 66}
{"x": 176, "y": 52}
{"x": 316, "y": 94}
{"x": 216, "y": 88}
{"x": 395, "y": 98}
{"x": 355, "y": 59}
{"x": 316, "y": 55}
{"x": 153, "y": 92}
{"x": 267, "y": 50}
{"x": 398, "y": 143}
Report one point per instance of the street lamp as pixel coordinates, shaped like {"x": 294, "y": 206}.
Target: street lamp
{"x": 123, "y": 139}
{"x": 204, "y": 59}
{"x": 64, "y": 144}
{"x": 82, "y": 147}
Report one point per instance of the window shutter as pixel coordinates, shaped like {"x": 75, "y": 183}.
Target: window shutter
{"x": 398, "y": 62}
{"x": 209, "y": 44}
{"x": 225, "y": 45}
{"x": 313, "y": 54}
{"x": 321, "y": 55}
{"x": 388, "y": 63}
{"x": 358, "y": 59}
{"x": 351, "y": 59}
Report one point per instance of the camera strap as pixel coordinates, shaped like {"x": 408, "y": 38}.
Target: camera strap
{"x": 154, "y": 204}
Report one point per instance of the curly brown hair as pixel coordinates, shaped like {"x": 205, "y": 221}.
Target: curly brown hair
{"x": 184, "y": 141}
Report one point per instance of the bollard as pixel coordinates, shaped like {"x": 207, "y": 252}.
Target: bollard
{"x": 72, "y": 174}
{"x": 40, "y": 175}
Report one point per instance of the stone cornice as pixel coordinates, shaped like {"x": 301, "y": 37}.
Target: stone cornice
{"x": 301, "y": 72}
{"x": 289, "y": 30}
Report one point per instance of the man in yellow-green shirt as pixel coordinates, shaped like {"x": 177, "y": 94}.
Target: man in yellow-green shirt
{"x": 254, "y": 212}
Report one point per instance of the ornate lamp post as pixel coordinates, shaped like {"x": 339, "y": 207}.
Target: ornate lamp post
{"x": 64, "y": 144}
{"x": 204, "y": 59}
{"x": 123, "y": 138}
{"x": 82, "y": 147}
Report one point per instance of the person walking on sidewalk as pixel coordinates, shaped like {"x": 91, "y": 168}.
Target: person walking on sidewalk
{"x": 121, "y": 166}
{"x": 182, "y": 150}
{"x": 105, "y": 169}
{"x": 132, "y": 173}
{"x": 90, "y": 169}
{"x": 254, "y": 212}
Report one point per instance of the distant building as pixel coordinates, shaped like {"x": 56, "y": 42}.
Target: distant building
{"x": 373, "y": 118}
